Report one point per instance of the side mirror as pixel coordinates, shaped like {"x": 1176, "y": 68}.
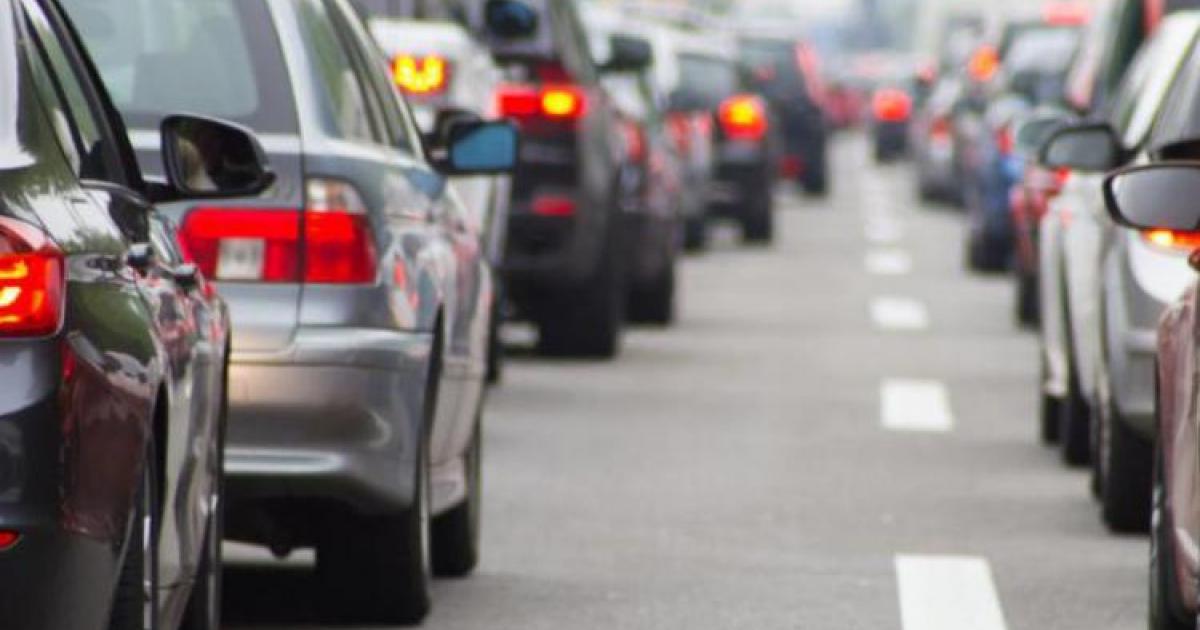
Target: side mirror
{"x": 1091, "y": 147}
{"x": 479, "y": 148}
{"x": 207, "y": 158}
{"x": 444, "y": 120}
{"x": 629, "y": 53}
{"x": 1159, "y": 196}
{"x": 510, "y": 19}
{"x": 1033, "y": 132}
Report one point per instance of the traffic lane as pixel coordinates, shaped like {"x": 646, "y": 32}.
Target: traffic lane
{"x": 734, "y": 471}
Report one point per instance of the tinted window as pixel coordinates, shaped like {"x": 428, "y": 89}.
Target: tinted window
{"x": 1042, "y": 51}
{"x": 214, "y": 57}
{"x": 1138, "y": 100}
{"x": 707, "y": 80}
{"x": 1179, "y": 119}
{"x": 346, "y": 113}
{"x": 775, "y": 61}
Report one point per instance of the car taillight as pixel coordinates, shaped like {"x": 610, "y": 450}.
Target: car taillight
{"x": 939, "y": 129}
{"x": 984, "y": 63}
{"x": 416, "y": 75}
{"x": 1004, "y": 140}
{"x": 743, "y": 117}
{"x": 32, "y": 281}
{"x": 635, "y": 141}
{"x": 680, "y": 127}
{"x": 1173, "y": 240}
{"x": 553, "y": 206}
{"x": 339, "y": 245}
{"x": 328, "y": 243}
{"x": 553, "y": 102}
{"x": 891, "y": 105}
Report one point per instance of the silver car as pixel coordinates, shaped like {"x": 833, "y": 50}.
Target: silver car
{"x": 357, "y": 285}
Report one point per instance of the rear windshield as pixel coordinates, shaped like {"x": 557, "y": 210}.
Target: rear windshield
{"x": 1043, "y": 51}
{"x": 218, "y": 58}
{"x": 774, "y": 65}
{"x": 707, "y": 80}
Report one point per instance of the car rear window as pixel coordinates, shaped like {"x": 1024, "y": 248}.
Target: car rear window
{"x": 1043, "y": 51}
{"x": 708, "y": 80}
{"x": 219, "y": 58}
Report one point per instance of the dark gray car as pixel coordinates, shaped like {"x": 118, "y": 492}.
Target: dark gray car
{"x": 357, "y": 288}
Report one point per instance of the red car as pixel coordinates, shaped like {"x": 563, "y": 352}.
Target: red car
{"x": 1159, "y": 200}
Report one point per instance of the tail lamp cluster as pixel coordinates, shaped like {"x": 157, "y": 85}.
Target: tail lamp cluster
{"x": 556, "y": 102}
{"x": 32, "y": 281}
{"x": 743, "y": 117}
{"x": 330, "y": 241}
{"x": 421, "y": 75}
{"x": 891, "y": 105}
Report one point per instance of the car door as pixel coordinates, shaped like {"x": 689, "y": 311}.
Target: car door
{"x": 184, "y": 443}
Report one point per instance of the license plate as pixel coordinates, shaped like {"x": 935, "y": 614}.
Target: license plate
{"x": 241, "y": 259}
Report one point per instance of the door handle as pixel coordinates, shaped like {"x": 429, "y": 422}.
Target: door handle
{"x": 140, "y": 256}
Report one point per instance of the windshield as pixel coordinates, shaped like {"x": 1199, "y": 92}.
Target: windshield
{"x": 214, "y": 57}
{"x": 707, "y": 80}
{"x": 1043, "y": 51}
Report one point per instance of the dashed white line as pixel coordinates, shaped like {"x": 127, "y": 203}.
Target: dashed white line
{"x": 947, "y": 593}
{"x": 919, "y": 406}
{"x": 888, "y": 262}
{"x": 883, "y": 231}
{"x": 899, "y": 314}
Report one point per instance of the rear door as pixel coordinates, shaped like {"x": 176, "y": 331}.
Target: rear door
{"x": 219, "y": 58}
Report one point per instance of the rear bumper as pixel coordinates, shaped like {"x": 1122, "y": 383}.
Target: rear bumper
{"x": 335, "y": 416}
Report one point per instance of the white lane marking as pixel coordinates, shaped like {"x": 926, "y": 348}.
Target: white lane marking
{"x": 899, "y": 313}
{"x": 888, "y": 262}
{"x": 883, "y": 231}
{"x": 947, "y": 593}
{"x": 915, "y": 406}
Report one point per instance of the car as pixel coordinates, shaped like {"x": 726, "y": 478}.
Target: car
{"x": 446, "y": 74}
{"x": 1031, "y": 75}
{"x": 1117, "y": 282}
{"x": 931, "y": 143}
{"x": 565, "y": 264}
{"x": 891, "y": 114}
{"x": 358, "y": 290}
{"x": 652, "y": 176}
{"x": 745, "y": 143}
{"x": 1149, "y": 199}
{"x": 115, "y": 349}
{"x": 1069, "y": 232}
{"x": 786, "y": 73}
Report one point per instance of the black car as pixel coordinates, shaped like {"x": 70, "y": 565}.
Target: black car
{"x": 564, "y": 267}
{"x": 784, "y": 72}
{"x": 744, "y": 140}
{"x": 114, "y": 349}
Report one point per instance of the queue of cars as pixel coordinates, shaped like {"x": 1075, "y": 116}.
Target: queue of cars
{"x": 254, "y": 256}
{"x": 1101, "y": 186}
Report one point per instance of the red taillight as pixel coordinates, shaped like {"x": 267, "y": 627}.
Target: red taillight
{"x": 1173, "y": 240}
{"x": 554, "y": 102}
{"x": 32, "y": 281}
{"x": 1066, "y": 13}
{"x": 680, "y": 127}
{"x": 553, "y": 206}
{"x": 635, "y": 141}
{"x": 743, "y": 117}
{"x": 984, "y": 63}
{"x": 421, "y": 75}
{"x": 939, "y": 129}
{"x": 891, "y": 105}
{"x": 8, "y": 539}
{"x": 329, "y": 243}
{"x": 1004, "y": 140}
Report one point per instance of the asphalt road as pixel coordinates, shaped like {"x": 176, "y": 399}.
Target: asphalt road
{"x": 839, "y": 434}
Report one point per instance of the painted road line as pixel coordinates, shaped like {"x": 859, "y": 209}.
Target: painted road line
{"x": 883, "y": 231}
{"x": 888, "y": 262}
{"x": 915, "y": 406}
{"x": 947, "y": 593}
{"x": 900, "y": 314}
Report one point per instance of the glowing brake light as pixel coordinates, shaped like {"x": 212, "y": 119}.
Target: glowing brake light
{"x": 891, "y": 105}
{"x": 939, "y": 129}
{"x": 1172, "y": 239}
{"x": 1066, "y": 13}
{"x": 32, "y": 281}
{"x": 553, "y": 102}
{"x": 984, "y": 64}
{"x": 421, "y": 75}
{"x": 743, "y": 117}
{"x": 1005, "y": 143}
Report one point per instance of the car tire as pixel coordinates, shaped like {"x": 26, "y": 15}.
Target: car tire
{"x": 1074, "y": 432}
{"x": 816, "y": 178}
{"x": 985, "y": 256}
{"x": 1125, "y": 469}
{"x": 455, "y": 535}
{"x": 587, "y": 322}
{"x": 132, "y": 607}
{"x": 1027, "y": 300}
{"x": 695, "y": 234}
{"x": 758, "y": 222}
{"x": 655, "y": 303}
{"x": 204, "y": 603}
{"x": 495, "y": 349}
{"x": 1164, "y": 597}
{"x": 376, "y": 569}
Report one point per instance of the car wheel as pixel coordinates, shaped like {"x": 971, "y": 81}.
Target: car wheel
{"x": 455, "y": 537}
{"x": 1027, "y": 300}
{"x": 495, "y": 349}
{"x": 1074, "y": 432}
{"x": 1163, "y": 585}
{"x": 135, "y": 606}
{"x": 816, "y": 178}
{"x": 985, "y": 256}
{"x": 695, "y": 234}
{"x": 655, "y": 303}
{"x": 758, "y": 222}
{"x": 1049, "y": 410}
{"x": 204, "y": 603}
{"x": 587, "y": 322}
{"x": 376, "y": 569}
{"x": 1126, "y": 468}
